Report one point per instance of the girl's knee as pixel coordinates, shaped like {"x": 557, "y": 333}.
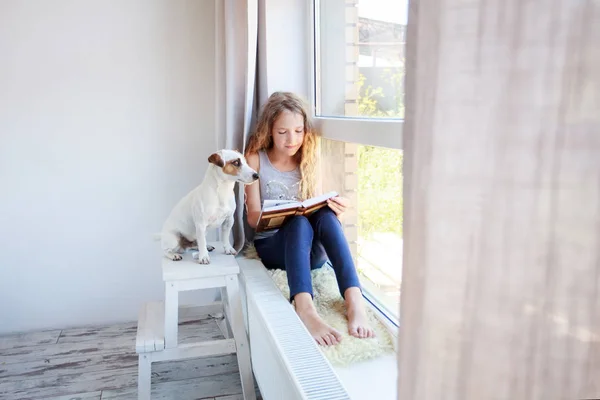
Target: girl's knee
{"x": 299, "y": 224}
{"x": 298, "y": 220}
{"x": 324, "y": 214}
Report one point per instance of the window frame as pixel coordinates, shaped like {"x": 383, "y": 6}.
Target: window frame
{"x": 349, "y": 129}
{"x": 346, "y": 129}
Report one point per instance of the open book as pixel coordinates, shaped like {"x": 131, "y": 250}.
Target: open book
{"x": 276, "y": 212}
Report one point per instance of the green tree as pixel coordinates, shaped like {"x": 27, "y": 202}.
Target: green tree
{"x": 380, "y": 190}
{"x": 380, "y": 169}
{"x": 368, "y": 97}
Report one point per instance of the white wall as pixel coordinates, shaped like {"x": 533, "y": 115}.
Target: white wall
{"x": 283, "y": 46}
{"x": 107, "y": 118}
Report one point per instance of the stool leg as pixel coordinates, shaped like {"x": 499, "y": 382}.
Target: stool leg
{"x": 144, "y": 377}
{"x": 171, "y": 315}
{"x": 223, "y": 323}
{"x": 236, "y": 319}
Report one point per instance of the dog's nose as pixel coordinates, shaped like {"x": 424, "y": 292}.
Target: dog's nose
{"x": 255, "y": 176}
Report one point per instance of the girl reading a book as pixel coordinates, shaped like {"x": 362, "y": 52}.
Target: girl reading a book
{"x": 284, "y": 152}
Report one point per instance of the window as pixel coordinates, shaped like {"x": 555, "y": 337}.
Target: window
{"x": 371, "y": 177}
{"x": 357, "y": 77}
{"x": 359, "y": 58}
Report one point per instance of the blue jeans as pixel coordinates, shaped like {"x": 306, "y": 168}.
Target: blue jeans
{"x": 306, "y": 243}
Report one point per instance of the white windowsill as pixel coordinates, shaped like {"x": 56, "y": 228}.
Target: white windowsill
{"x": 373, "y": 379}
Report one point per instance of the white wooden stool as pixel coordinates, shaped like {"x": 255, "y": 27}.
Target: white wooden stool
{"x": 158, "y": 321}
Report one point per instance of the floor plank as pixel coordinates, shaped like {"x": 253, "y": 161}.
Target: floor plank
{"x": 101, "y": 344}
{"x": 191, "y": 389}
{"x": 78, "y": 396}
{"x": 28, "y": 339}
{"x": 87, "y": 363}
{"x": 195, "y": 331}
{"x": 195, "y": 368}
{"x": 86, "y": 334}
{"x": 85, "y": 380}
{"x": 95, "y": 333}
{"x": 65, "y": 350}
{"x": 66, "y": 384}
{"x": 67, "y": 365}
{"x": 90, "y": 363}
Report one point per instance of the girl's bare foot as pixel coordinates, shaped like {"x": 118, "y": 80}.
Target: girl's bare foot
{"x": 358, "y": 322}
{"x": 320, "y": 331}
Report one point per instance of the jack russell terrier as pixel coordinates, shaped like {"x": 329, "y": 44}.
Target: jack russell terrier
{"x": 210, "y": 205}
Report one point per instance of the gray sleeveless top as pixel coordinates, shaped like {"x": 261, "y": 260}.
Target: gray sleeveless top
{"x": 276, "y": 185}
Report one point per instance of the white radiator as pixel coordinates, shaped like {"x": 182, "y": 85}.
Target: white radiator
{"x": 286, "y": 361}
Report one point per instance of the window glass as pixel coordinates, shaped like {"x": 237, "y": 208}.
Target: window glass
{"x": 359, "y": 58}
{"x": 371, "y": 178}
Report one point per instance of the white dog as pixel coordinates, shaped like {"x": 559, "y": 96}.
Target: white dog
{"x": 209, "y": 205}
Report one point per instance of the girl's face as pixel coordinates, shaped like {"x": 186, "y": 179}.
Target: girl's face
{"x": 288, "y": 133}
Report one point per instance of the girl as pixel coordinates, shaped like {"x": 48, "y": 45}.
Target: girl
{"x": 283, "y": 151}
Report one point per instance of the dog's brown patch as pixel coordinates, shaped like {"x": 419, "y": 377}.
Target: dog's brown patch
{"x": 232, "y": 167}
{"x": 184, "y": 243}
{"x": 216, "y": 159}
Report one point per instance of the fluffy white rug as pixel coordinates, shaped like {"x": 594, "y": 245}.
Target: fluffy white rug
{"x": 330, "y": 306}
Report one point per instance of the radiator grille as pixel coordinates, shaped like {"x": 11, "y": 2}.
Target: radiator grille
{"x": 286, "y": 360}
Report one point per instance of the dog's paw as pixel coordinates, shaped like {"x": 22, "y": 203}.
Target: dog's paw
{"x": 230, "y": 250}
{"x": 174, "y": 256}
{"x": 202, "y": 258}
{"x": 210, "y": 248}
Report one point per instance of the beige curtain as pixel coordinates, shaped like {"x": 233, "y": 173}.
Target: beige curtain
{"x": 236, "y": 53}
{"x": 501, "y": 281}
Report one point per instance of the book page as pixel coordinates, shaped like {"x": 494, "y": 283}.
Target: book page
{"x": 274, "y": 205}
{"x": 319, "y": 199}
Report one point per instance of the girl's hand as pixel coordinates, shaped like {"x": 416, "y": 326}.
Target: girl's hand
{"x": 339, "y": 205}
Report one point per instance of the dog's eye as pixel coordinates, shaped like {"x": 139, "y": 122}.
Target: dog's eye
{"x": 236, "y": 163}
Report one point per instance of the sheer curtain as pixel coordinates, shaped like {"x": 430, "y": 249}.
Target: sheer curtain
{"x": 500, "y": 295}
{"x": 236, "y": 50}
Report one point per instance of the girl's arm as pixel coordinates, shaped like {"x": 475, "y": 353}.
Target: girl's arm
{"x": 253, "y": 206}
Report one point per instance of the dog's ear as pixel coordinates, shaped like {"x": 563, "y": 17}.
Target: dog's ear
{"x": 216, "y": 159}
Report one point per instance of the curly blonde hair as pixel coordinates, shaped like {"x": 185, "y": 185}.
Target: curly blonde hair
{"x": 307, "y": 155}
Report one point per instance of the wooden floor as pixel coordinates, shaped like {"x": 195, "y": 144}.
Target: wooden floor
{"x": 100, "y": 363}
